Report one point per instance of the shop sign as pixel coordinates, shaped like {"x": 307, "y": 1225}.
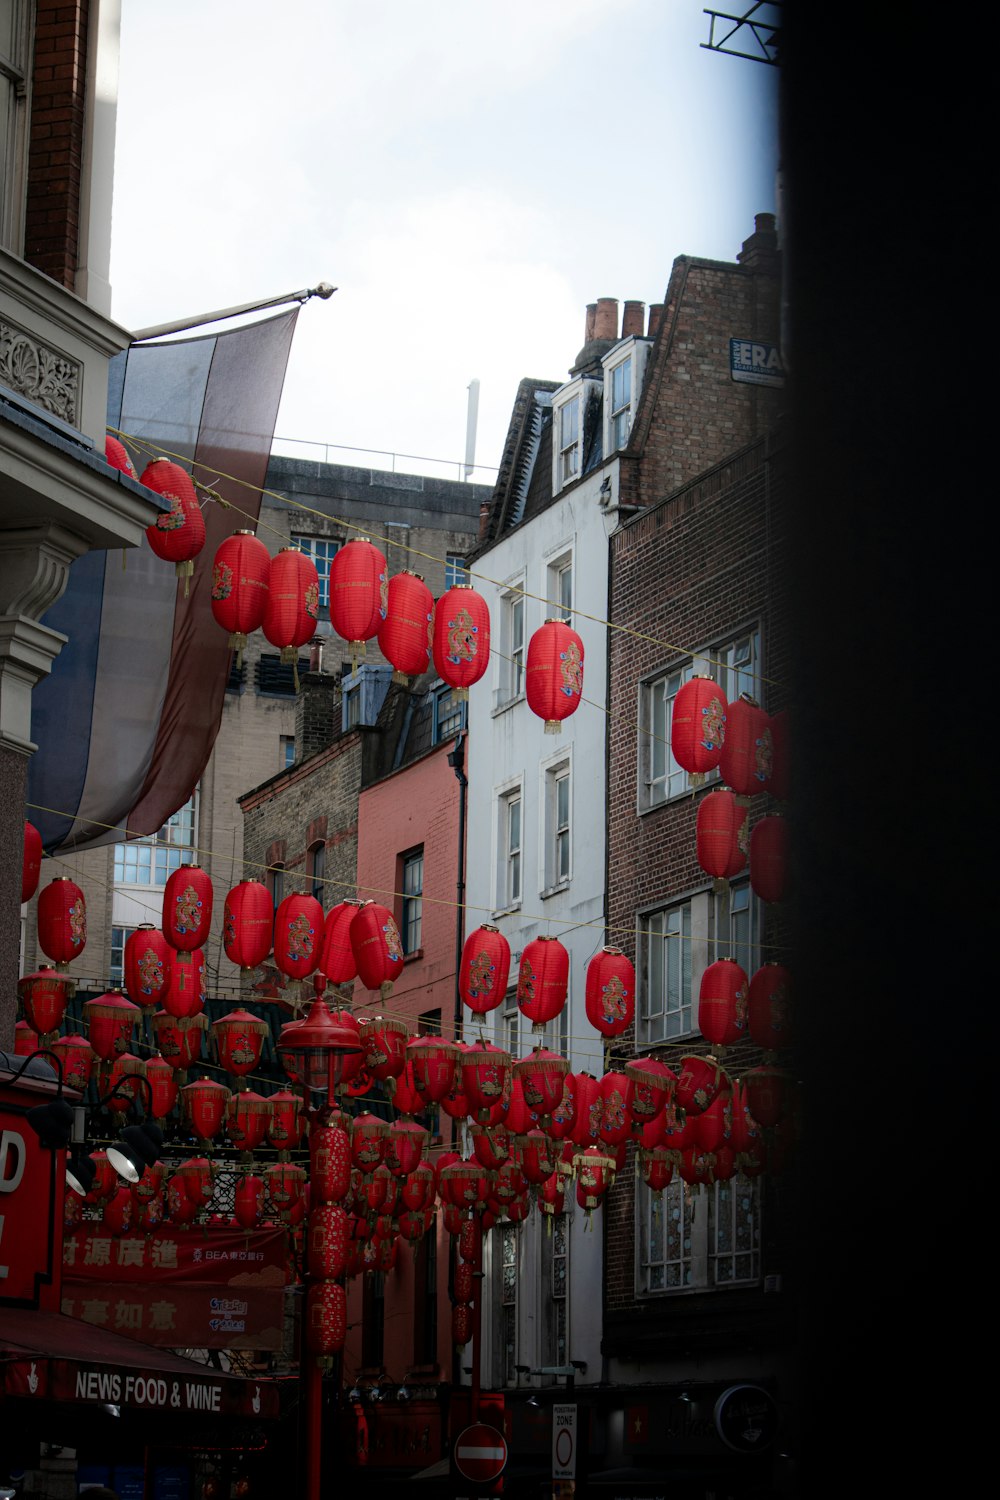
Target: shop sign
{"x": 752, "y": 363}
{"x": 139, "y": 1389}
{"x": 746, "y": 1418}
{"x": 221, "y": 1257}
{"x": 177, "y": 1316}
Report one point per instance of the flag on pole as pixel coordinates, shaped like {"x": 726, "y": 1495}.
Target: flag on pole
{"x": 126, "y": 721}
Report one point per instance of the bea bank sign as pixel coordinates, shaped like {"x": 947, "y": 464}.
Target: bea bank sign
{"x": 27, "y": 1208}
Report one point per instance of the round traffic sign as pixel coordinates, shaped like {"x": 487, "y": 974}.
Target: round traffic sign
{"x": 480, "y": 1452}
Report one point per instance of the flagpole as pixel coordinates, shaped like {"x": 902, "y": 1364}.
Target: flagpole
{"x": 180, "y": 325}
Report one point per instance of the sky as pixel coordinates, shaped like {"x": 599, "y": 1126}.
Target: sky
{"x": 468, "y": 175}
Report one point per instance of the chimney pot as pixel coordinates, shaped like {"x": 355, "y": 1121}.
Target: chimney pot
{"x": 606, "y": 318}
{"x": 588, "y": 322}
{"x": 484, "y": 518}
{"x": 655, "y": 318}
{"x": 632, "y": 320}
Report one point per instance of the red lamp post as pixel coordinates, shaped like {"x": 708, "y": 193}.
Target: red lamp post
{"x": 314, "y": 1052}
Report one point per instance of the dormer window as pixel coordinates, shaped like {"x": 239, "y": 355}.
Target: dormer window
{"x": 621, "y": 403}
{"x": 569, "y": 440}
{"x": 624, "y": 368}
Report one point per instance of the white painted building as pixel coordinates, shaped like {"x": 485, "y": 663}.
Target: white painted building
{"x": 537, "y": 804}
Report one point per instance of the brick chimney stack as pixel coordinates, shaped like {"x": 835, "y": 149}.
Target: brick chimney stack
{"x": 588, "y": 322}
{"x": 484, "y": 518}
{"x": 606, "y": 319}
{"x": 760, "y": 249}
{"x": 317, "y": 713}
{"x": 655, "y": 318}
{"x": 632, "y": 320}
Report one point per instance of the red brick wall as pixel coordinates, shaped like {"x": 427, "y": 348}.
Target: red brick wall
{"x": 55, "y": 152}
{"x": 692, "y": 570}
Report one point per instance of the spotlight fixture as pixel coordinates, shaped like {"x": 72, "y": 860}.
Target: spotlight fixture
{"x": 354, "y": 1394}
{"x": 403, "y": 1394}
{"x": 52, "y": 1123}
{"x": 533, "y": 1400}
{"x": 80, "y": 1172}
{"x": 137, "y": 1148}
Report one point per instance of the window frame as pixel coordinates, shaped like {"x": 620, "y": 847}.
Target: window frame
{"x": 559, "y": 567}
{"x": 316, "y": 870}
{"x": 620, "y": 414}
{"x": 116, "y": 970}
{"x": 456, "y": 570}
{"x": 651, "y": 742}
{"x": 441, "y": 725}
{"x": 504, "y": 897}
{"x": 553, "y": 774}
{"x": 16, "y": 68}
{"x": 702, "y": 1235}
{"x": 566, "y": 448}
{"x": 411, "y": 905}
{"x": 316, "y": 547}
{"x": 513, "y": 646}
{"x": 127, "y": 852}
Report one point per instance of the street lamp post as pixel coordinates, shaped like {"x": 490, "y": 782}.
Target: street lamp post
{"x": 313, "y": 1052}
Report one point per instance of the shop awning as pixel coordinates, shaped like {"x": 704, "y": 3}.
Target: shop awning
{"x": 50, "y": 1357}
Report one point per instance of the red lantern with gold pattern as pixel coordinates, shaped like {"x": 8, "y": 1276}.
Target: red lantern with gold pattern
{"x": 120, "y": 1089}
{"x": 745, "y": 1134}
{"x": 746, "y": 757}
{"x": 595, "y": 1174}
{"x": 377, "y": 947}
{"x": 384, "y": 1041}
{"x": 292, "y": 603}
{"x": 31, "y": 865}
{"x": 610, "y": 992}
{"x": 467, "y": 1184}
{"x": 697, "y": 1166}
{"x": 542, "y": 981}
{"x": 538, "y": 1157}
{"x": 553, "y": 678}
{"x": 405, "y": 1096}
{"x": 336, "y": 958}
{"x": 44, "y": 997}
{"x": 463, "y": 1281}
{"x": 453, "y": 1218}
{"x": 698, "y": 726}
{"x": 147, "y": 961}
{"x": 162, "y": 1085}
{"x": 405, "y": 1145}
{"x": 205, "y": 1107}
{"x": 698, "y": 1082}
{"x": 486, "y": 1078}
{"x": 770, "y": 1007}
{"x": 77, "y": 1057}
{"x": 589, "y": 1111}
{"x": 461, "y": 638}
{"x": 491, "y": 1145}
{"x": 541, "y": 1075}
{"x": 287, "y": 1123}
{"x": 179, "y": 1038}
{"x": 187, "y": 908}
{"x": 118, "y": 1211}
{"x": 552, "y": 1196}
{"x": 248, "y": 1201}
{"x": 616, "y": 1108}
{"x": 767, "y": 1091}
{"x": 184, "y": 994}
{"x": 105, "y": 1183}
{"x": 298, "y": 935}
{"x": 285, "y": 1183}
{"x": 240, "y": 586}
{"x": 326, "y": 1318}
{"x": 117, "y": 456}
{"x": 406, "y": 634}
{"x": 418, "y": 1187}
{"x": 197, "y": 1177}
{"x": 62, "y": 921}
{"x": 368, "y": 1141}
{"x": 326, "y": 1241}
{"x": 653, "y": 1085}
{"x": 359, "y": 592}
{"x": 434, "y": 1060}
{"x": 560, "y": 1127}
{"x": 461, "y": 1324}
{"x": 769, "y": 858}
{"x": 456, "y": 1102}
{"x": 713, "y": 1128}
{"x": 329, "y": 1163}
{"x": 484, "y": 970}
{"x": 247, "y": 924}
{"x": 657, "y": 1168}
{"x": 247, "y": 1116}
{"x": 111, "y": 1021}
{"x": 181, "y": 1209}
{"x": 178, "y": 534}
{"x": 723, "y": 1003}
{"x": 722, "y": 834}
{"x": 470, "y": 1243}
{"x": 239, "y": 1040}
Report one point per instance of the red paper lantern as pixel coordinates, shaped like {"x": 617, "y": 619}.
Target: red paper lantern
{"x": 247, "y": 924}
{"x": 563, "y": 1120}
{"x": 384, "y": 1041}
{"x": 359, "y": 592}
{"x": 552, "y": 1196}
{"x": 329, "y": 1163}
{"x": 118, "y": 1212}
{"x": 377, "y": 946}
{"x": 44, "y": 996}
{"x": 461, "y": 638}
{"x": 178, "y": 534}
{"x": 381, "y": 1192}
{"x": 120, "y": 1082}
{"x": 292, "y": 603}
{"x": 589, "y": 1111}
{"x": 453, "y": 1218}
{"x": 196, "y": 1177}
{"x": 239, "y": 1040}
{"x": 405, "y": 1096}
{"x": 62, "y": 921}
{"x": 287, "y": 1124}
{"x": 467, "y": 1184}
{"x": 725, "y": 1164}
{"x": 434, "y": 1060}
{"x": 240, "y": 579}
{"x": 553, "y": 677}
{"x": 461, "y": 1324}
{"x": 653, "y": 1085}
{"x": 31, "y": 867}
{"x": 418, "y": 1188}
{"x": 247, "y": 1116}
{"x": 336, "y": 958}
{"x": 248, "y": 1201}
{"x": 326, "y": 1318}
{"x": 117, "y": 456}
{"x": 722, "y": 834}
{"x": 111, "y": 1021}
{"x": 285, "y": 1183}
{"x": 368, "y": 1141}
{"x": 147, "y": 960}
{"x": 484, "y": 970}
{"x": 723, "y": 1003}
{"x": 657, "y": 1168}
{"x": 745, "y": 762}
{"x": 464, "y": 1282}
{"x": 106, "y": 1180}
{"x": 698, "y": 1082}
{"x": 326, "y": 1241}
{"x": 769, "y": 858}
{"x": 77, "y": 1057}
{"x": 770, "y": 1008}
{"x": 713, "y": 1128}
{"x": 163, "y": 1087}
{"x": 538, "y": 1157}
{"x": 595, "y": 1174}
{"x": 491, "y": 1145}
{"x": 470, "y": 1243}
{"x": 406, "y": 634}
{"x": 616, "y": 1108}
{"x": 486, "y": 1078}
{"x": 205, "y": 1107}
{"x": 456, "y": 1102}
{"x": 298, "y": 935}
{"x": 541, "y": 1075}
{"x": 610, "y": 992}
{"x": 180, "y": 1208}
{"x": 542, "y": 981}
{"x": 184, "y": 994}
{"x": 697, "y": 1166}
{"x": 745, "y": 1135}
{"x": 187, "y": 908}
{"x": 780, "y": 768}
{"x": 179, "y": 1038}
{"x": 767, "y": 1090}
{"x": 405, "y": 1145}
{"x": 698, "y": 726}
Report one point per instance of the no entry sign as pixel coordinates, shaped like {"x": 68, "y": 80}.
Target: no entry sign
{"x": 480, "y": 1453}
